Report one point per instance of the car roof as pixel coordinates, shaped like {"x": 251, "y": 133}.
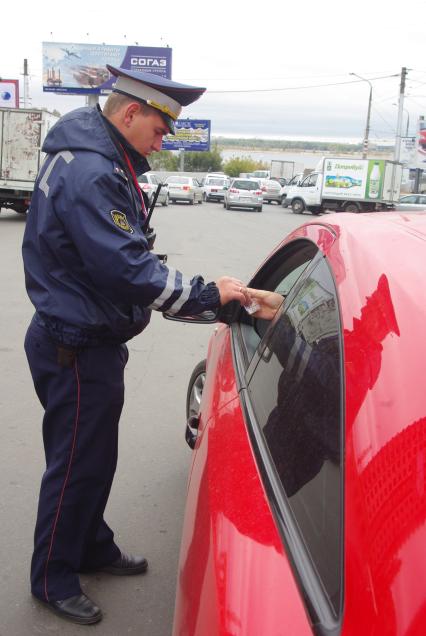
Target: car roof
{"x": 378, "y": 261}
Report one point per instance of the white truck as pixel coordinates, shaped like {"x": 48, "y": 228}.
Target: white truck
{"x": 22, "y": 132}
{"x": 347, "y": 184}
{"x": 285, "y": 169}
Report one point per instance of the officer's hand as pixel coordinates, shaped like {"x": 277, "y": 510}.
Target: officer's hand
{"x": 232, "y": 289}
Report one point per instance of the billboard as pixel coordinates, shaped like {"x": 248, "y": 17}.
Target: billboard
{"x": 408, "y": 152}
{"x": 191, "y": 134}
{"x": 353, "y": 178}
{"x": 81, "y": 68}
{"x": 9, "y": 93}
{"x": 421, "y": 145}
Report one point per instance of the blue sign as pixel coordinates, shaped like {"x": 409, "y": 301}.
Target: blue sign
{"x": 81, "y": 68}
{"x": 191, "y": 134}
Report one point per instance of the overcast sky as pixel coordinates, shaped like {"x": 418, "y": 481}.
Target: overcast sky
{"x": 254, "y": 47}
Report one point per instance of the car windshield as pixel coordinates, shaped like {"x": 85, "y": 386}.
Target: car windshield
{"x": 216, "y": 182}
{"x": 142, "y": 178}
{"x": 246, "y": 185}
{"x": 178, "y": 180}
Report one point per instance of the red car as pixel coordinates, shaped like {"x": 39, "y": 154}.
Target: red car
{"x": 306, "y": 506}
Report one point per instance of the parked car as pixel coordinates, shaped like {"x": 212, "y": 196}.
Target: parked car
{"x": 213, "y": 187}
{"x": 271, "y": 190}
{"x": 184, "y": 189}
{"x": 280, "y": 180}
{"x": 412, "y": 202}
{"x": 149, "y": 183}
{"x": 244, "y": 193}
{"x": 306, "y": 501}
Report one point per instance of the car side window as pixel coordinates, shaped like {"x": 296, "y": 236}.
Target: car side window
{"x": 279, "y": 274}
{"x": 311, "y": 180}
{"x": 296, "y": 395}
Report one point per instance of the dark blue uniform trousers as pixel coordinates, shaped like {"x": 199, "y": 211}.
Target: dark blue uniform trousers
{"x": 83, "y": 400}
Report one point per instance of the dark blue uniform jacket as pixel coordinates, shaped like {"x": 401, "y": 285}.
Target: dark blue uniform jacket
{"x": 88, "y": 269}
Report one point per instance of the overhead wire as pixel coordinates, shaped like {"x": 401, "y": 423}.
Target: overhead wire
{"x": 290, "y": 88}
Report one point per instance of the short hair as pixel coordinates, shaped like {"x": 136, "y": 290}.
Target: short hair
{"x": 116, "y": 101}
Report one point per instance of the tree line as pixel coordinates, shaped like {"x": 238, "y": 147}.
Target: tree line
{"x": 213, "y": 161}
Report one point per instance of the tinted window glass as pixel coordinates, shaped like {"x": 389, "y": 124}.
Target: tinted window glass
{"x": 246, "y": 185}
{"x": 143, "y": 178}
{"x": 296, "y": 395}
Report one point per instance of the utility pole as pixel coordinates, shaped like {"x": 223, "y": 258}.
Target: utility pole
{"x": 367, "y": 124}
{"x": 397, "y": 152}
{"x": 26, "y": 85}
{"x": 92, "y": 100}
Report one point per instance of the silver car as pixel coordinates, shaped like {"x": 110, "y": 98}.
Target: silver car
{"x": 412, "y": 202}
{"x": 244, "y": 193}
{"x": 184, "y": 189}
{"x": 148, "y": 183}
{"x": 272, "y": 190}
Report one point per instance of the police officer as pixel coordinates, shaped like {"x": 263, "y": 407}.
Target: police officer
{"x": 93, "y": 281}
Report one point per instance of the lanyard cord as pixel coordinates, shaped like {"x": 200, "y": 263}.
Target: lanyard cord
{"x": 135, "y": 181}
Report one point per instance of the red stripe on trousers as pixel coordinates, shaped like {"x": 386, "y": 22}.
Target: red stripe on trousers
{"x": 65, "y": 481}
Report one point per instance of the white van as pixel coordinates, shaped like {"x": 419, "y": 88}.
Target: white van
{"x": 213, "y": 187}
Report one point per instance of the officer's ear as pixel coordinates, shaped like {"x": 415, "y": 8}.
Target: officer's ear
{"x": 130, "y": 112}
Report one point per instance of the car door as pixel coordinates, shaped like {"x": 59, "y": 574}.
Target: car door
{"x": 293, "y": 402}
{"x": 236, "y": 573}
{"x": 295, "y": 413}
{"x": 311, "y": 192}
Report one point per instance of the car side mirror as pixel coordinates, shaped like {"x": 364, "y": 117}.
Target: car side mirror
{"x": 206, "y": 318}
{"x": 227, "y": 314}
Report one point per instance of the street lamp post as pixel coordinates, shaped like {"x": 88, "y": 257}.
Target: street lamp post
{"x": 367, "y": 125}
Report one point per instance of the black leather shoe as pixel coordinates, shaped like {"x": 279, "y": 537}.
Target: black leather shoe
{"x": 127, "y": 564}
{"x": 77, "y": 609}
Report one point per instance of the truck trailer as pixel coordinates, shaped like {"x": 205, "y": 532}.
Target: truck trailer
{"x": 348, "y": 184}
{"x": 285, "y": 169}
{"x": 22, "y": 132}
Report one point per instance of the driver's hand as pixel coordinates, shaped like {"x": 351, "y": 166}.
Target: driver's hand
{"x": 267, "y": 301}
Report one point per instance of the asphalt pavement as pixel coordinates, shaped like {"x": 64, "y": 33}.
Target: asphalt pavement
{"x": 148, "y": 496}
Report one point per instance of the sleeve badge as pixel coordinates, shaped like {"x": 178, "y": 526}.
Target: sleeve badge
{"x": 121, "y": 221}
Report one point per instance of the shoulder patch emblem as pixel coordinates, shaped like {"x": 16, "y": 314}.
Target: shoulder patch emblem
{"x": 121, "y": 221}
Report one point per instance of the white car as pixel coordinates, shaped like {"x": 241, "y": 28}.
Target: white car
{"x": 148, "y": 183}
{"x": 183, "y": 188}
{"x": 214, "y": 187}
